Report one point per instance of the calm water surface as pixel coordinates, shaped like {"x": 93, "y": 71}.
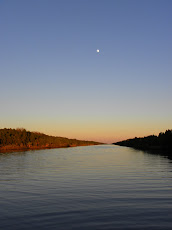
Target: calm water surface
{"x": 95, "y": 187}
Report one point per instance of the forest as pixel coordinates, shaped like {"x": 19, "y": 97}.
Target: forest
{"x": 15, "y": 139}
{"x": 161, "y": 142}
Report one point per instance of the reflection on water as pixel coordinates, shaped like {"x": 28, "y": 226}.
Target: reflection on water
{"x": 95, "y": 187}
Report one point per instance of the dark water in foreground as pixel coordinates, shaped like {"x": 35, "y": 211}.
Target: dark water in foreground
{"x": 95, "y": 187}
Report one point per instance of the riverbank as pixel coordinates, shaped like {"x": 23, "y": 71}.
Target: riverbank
{"x": 9, "y": 149}
{"x": 22, "y": 140}
{"x": 160, "y": 143}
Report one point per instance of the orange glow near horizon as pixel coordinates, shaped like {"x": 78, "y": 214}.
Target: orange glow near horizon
{"x": 107, "y": 132}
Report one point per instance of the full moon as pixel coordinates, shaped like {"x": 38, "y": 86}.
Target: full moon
{"x": 98, "y": 51}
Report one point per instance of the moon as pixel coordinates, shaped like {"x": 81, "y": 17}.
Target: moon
{"x": 98, "y": 51}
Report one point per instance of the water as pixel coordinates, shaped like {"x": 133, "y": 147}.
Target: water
{"x": 94, "y": 187}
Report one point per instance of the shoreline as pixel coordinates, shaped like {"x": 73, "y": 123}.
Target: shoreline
{"x": 11, "y": 149}
{"x": 12, "y": 140}
{"x": 157, "y": 150}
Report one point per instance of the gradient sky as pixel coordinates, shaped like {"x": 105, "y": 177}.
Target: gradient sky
{"x": 52, "y": 80}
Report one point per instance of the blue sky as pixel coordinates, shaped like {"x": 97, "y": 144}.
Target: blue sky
{"x": 54, "y": 81}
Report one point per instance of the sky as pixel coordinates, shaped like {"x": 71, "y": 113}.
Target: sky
{"x": 52, "y": 79}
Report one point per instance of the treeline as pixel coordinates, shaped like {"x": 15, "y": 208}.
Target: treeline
{"x": 161, "y": 142}
{"x": 22, "y": 139}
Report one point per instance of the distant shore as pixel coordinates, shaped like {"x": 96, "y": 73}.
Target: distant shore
{"x": 160, "y": 143}
{"x": 12, "y": 140}
{"x": 8, "y": 149}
